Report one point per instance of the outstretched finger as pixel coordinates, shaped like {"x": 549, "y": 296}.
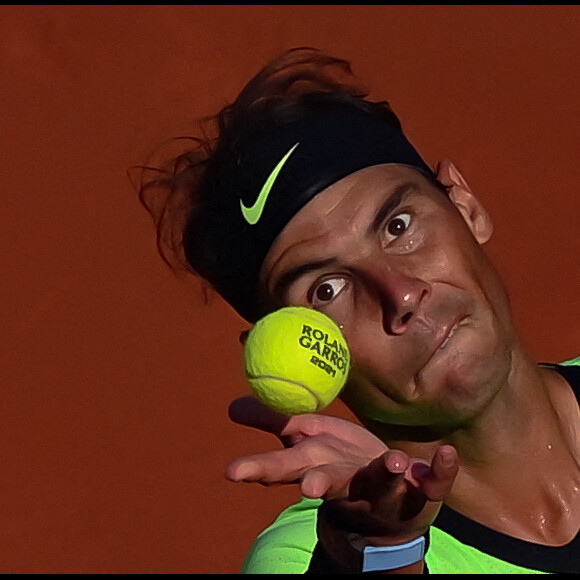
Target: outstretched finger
{"x": 281, "y": 466}
{"x": 251, "y": 412}
{"x": 437, "y": 479}
{"x": 326, "y": 481}
{"x": 381, "y": 475}
{"x": 290, "y": 429}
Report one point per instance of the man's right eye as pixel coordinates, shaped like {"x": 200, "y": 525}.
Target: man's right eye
{"x": 326, "y": 291}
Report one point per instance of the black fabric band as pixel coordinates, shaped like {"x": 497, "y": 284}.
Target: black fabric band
{"x": 326, "y": 142}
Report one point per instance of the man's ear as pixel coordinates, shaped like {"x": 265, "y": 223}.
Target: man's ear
{"x": 460, "y": 194}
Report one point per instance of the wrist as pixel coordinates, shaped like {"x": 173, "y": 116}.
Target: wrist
{"x": 356, "y": 553}
{"x": 388, "y": 557}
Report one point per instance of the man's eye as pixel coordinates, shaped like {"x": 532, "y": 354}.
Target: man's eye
{"x": 398, "y": 225}
{"x": 327, "y": 290}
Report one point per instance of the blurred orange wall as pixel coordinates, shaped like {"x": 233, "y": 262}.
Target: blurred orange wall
{"x": 116, "y": 376}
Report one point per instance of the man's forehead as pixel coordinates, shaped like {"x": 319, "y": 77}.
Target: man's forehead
{"x": 353, "y": 205}
{"x": 352, "y": 194}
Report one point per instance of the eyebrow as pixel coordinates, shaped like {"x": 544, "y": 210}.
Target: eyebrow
{"x": 289, "y": 277}
{"x": 399, "y": 195}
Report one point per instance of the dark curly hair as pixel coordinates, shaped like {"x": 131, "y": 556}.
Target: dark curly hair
{"x": 171, "y": 191}
{"x": 181, "y": 192}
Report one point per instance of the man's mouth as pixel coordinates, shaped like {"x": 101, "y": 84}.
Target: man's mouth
{"x": 448, "y": 334}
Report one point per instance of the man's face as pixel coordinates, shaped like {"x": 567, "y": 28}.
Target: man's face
{"x": 399, "y": 265}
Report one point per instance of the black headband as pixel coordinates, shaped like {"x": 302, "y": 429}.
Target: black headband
{"x": 255, "y": 186}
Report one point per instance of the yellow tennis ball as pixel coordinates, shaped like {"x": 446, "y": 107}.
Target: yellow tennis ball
{"x": 297, "y": 360}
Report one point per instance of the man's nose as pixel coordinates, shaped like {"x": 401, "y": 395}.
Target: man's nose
{"x": 400, "y": 296}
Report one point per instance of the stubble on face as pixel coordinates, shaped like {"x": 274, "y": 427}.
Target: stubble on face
{"x": 454, "y": 351}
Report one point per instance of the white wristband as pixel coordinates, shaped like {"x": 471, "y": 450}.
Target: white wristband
{"x": 379, "y": 558}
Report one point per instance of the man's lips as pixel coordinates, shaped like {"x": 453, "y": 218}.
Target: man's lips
{"x": 448, "y": 332}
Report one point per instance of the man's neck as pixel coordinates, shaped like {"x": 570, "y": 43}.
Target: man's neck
{"x": 519, "y": 459}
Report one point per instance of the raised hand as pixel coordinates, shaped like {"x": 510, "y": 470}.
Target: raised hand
{"x": 371, "y": 490}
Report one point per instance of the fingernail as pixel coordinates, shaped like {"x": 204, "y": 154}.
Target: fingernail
{"x": 396, "y": 464}
{"x": 447, "y": 458}
{"x": 243, "y": 471}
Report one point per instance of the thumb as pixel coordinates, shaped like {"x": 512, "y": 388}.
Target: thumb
{"x": 436, "y": 480}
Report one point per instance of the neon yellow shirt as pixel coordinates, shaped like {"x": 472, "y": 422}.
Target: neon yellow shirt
{"x": 457, "y": 545}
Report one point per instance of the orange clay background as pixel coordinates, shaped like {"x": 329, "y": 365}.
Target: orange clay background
{"x": 115, "y": 375}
